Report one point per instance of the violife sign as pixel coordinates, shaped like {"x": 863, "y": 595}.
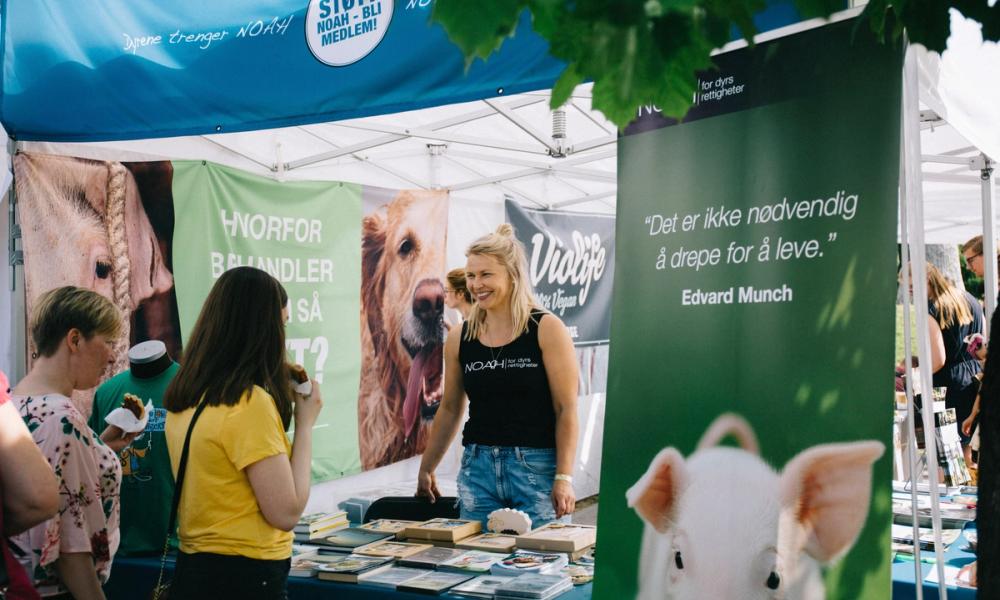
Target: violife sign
{"x": 571, "y": 259}
{"x": 342, "y": 32}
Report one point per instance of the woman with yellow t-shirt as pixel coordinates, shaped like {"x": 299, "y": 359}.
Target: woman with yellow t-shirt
{"x": 244, "y": 486}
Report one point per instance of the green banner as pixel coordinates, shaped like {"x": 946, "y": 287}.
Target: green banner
{"x": 306, "y": 234}
{"x": 756, "y": 276}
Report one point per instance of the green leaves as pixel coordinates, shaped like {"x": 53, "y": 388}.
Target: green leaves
{"x": 642, "y": 52}
{"x": 477, "y": 28}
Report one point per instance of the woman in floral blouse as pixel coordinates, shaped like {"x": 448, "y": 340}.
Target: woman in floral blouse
{"x": 73, "y": 330}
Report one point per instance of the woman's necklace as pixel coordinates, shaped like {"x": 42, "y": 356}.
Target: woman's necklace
{"x": 495, "y": 357}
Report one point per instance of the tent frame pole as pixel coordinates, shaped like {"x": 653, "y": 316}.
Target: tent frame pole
{"x": 918, "y": 272}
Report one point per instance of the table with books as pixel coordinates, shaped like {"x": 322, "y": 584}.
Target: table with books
{"x": 958, "y": 538}
{"x": 400, "y": 559}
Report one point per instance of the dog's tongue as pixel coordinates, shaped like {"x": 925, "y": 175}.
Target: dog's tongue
{"x": 411, "y": 404}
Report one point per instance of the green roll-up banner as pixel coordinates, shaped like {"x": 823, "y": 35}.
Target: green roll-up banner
{"x": 755, "y": 278}
{"x": 308, "y": 235}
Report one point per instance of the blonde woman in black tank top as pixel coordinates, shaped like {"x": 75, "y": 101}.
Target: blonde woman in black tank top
{"x": 518, "y": 367}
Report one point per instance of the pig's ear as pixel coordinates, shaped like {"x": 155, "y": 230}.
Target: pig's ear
{"x": 829, "y": 487}
{"x": 656, "y": 494}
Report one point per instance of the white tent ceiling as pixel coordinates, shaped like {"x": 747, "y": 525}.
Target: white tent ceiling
{"x": 482, "y": 150}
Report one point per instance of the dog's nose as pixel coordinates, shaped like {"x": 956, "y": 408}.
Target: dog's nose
{"x": 428, "y": 300}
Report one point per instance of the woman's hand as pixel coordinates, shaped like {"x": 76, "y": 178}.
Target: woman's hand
{"x": 968, "y": 574}
{"x": 967, "y": 425}
{"x": 307, "y": 408}
{"x": 427, "y": 486}
{"x": 116, "y": 438}
{"x": 563, "y": 498}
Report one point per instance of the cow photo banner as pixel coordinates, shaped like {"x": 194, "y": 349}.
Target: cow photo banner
{"x": 363, "y": 268}
{"x": 749, "y": 408}
{"x": 571, "y": 266}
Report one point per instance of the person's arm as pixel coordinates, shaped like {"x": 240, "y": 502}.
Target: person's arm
{"x": 281, "y": 484}
{"x": 559, "y": 357}
{"x": 447, "y": 419}
{"x": 938, "y": 356}
{"x": 30, "y": 491}
{"x": 76, "y": 572}
{"x": 968, "y": 422}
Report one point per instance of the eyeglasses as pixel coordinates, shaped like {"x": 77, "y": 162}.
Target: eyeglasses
{"x": 969, "y": 259}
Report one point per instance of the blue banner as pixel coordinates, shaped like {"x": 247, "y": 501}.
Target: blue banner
{"x": 120, "y": 69}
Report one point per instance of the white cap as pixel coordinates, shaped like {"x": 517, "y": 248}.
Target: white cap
{"x": 146, "y": 352}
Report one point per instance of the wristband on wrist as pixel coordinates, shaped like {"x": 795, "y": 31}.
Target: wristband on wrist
{"x": 563, "y": 477}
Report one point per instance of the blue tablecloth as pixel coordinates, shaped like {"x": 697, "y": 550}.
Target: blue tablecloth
{"x": 958, "y": 555}
{"x": 133, "y": 579}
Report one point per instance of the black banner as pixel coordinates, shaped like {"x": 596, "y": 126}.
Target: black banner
{"x": 571, "y": 264}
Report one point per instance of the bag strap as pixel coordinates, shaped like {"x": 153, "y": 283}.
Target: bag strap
{"x": 175, "y": 503}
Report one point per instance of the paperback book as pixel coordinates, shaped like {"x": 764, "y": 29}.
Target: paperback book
{"x": 489, "y": 542}
{"x": 350, "y": 567}
{"x": 527, "y": 561}
{"x": 392, "y": 526}
{"x": 483, "y": 586}
{"x": 346, "y": 540}
{"x": 430, "y": 558}
{"x": 433, "y": 582}
{"x": 319, "y": 525}
{"x": 392, "y": 549}
{"x": 447, "y": 530}
{"x": 390, "y": 578}
{"x": 475, "y": 562}
{"x": 534, "y": 585}
{"x": 560, "y": 537}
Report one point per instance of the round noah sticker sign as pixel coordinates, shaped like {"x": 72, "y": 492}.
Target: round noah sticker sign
{"x": 341, "y": 32}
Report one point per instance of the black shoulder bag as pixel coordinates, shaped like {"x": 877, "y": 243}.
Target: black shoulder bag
{"x": 162, "y": 590}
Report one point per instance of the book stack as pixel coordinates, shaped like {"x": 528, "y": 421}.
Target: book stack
{"x": 392, "y": 549}
{"x": 902, "y": 538}
{"x": 443, "y": 532}
{"x": 484, "y": 586}
{"x": 350, "y": 567}
{"x": 304, "y": 567}
{"x": 558, "y": 537}
{"x": 347, "y": 540}
{"x": 534, "y": 586}
{"x": 430, "y": 558}
{"x": 433, "y": 582}
{"x": 395, "y": 527}
{"x": 318, "y": 525}
{"x": 474, "y": 562}
{"x": 526, "y": 561}
{"x": 953, "y": 514}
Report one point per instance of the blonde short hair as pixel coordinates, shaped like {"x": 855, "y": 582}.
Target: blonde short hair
{"x": 58, "y": 311}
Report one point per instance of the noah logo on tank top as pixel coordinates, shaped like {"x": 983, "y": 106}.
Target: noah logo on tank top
{"x": 500, "y": 363}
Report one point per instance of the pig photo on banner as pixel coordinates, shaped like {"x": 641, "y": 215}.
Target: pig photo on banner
{"x": 404, "y": 238}
{"x": 104, "y": 226}
{"x": 750, "y": 383}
